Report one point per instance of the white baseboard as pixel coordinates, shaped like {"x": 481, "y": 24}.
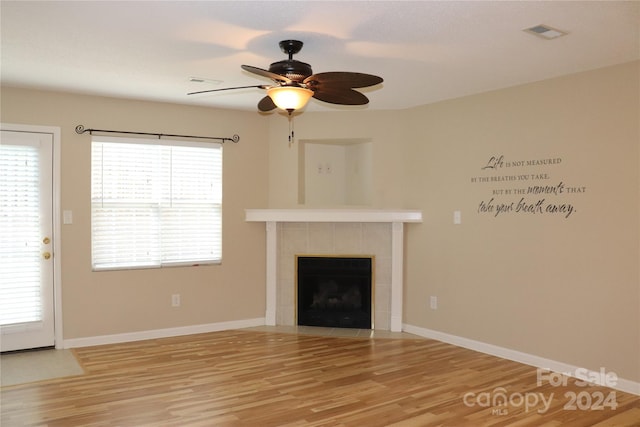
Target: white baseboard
{"x": 162, "y": 333}
{"x": 621, "y": 384}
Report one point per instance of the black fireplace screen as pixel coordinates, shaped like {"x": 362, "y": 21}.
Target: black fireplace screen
{"x": 335, "y": 291}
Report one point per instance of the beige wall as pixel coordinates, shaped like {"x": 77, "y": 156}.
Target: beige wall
{"x": 116, "y": 302}
{"x": 562, "y": 288}
{"x": 567, "y": 289}
{"x": 384, "y": 128}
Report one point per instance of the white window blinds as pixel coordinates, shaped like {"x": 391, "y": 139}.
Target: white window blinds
{"x": 155, "y": 203}
{"x": 20, "y": 234}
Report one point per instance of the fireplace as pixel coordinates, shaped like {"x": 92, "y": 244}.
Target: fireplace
{"x": 334, "y": 231}
{"x": 335, "y": 291}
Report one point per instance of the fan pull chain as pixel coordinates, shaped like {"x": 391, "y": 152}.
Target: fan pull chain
{"x": 291, "y": 129}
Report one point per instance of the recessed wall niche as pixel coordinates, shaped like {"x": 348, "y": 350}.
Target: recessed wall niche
{"x": 335, "y": 172}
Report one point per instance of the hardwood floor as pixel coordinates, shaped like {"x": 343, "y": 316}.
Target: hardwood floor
{"x": 261, "y": 378}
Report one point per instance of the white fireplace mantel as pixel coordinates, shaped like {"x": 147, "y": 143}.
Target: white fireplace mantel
{"x": 396, "y": 217}
{"x": 332, "y": 215}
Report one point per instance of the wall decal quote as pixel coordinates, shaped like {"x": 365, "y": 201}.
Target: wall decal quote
{"x": 525, "y": 192}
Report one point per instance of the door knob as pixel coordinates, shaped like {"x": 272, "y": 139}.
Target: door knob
{"x": 46, "y": 255}
{"x": 46, "y": 240}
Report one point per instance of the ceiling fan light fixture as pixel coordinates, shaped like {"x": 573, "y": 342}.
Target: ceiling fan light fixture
{"x": 290, "y": 98}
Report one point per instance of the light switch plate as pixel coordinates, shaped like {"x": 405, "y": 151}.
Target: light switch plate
{"x": 457, "y": 217}
{"x": 67, "y": 217}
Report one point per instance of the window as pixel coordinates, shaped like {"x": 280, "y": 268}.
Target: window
{"x": 155, "y": 203}
{"x": 20, "y": 225}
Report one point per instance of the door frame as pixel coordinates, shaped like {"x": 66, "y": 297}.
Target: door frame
{"x": 57, "y": 230}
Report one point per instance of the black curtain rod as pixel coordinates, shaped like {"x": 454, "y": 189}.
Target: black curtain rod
{"x": 80, "y": 130}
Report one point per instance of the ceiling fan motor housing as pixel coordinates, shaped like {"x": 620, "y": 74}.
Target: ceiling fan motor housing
{"x": 292, "y": 69}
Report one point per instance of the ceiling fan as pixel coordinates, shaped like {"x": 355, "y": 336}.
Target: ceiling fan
{"x": 295, "y": 83}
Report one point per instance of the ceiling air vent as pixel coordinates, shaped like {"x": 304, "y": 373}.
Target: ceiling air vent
{"x": 204, "y": 80}
{"x": 545, "y": 32}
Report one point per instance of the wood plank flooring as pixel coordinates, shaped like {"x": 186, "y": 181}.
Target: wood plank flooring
{"x": 256, "y": 378}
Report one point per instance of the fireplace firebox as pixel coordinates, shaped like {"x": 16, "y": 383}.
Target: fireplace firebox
{"x": 335, "y": 291}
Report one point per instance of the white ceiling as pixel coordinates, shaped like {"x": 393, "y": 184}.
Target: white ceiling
{"x": 426, "y": 51}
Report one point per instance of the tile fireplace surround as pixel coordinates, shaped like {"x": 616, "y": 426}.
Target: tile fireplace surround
{"x": 292, "y": 232}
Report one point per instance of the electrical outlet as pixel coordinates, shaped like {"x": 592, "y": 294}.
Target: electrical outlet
{"x": 175, "y": 300}
{"x": 433, "y": 303}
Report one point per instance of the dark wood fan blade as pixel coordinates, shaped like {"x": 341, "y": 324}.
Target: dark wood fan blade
{"x": 340, "y": 95}
{"x": 343, "y": 79}
{"x": 266, "y": 104}
{"x": 228, "y": 88}
{"x": 265, "y": 73}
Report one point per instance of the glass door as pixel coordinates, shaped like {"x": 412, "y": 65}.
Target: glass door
{"x": 26, "y": 241}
